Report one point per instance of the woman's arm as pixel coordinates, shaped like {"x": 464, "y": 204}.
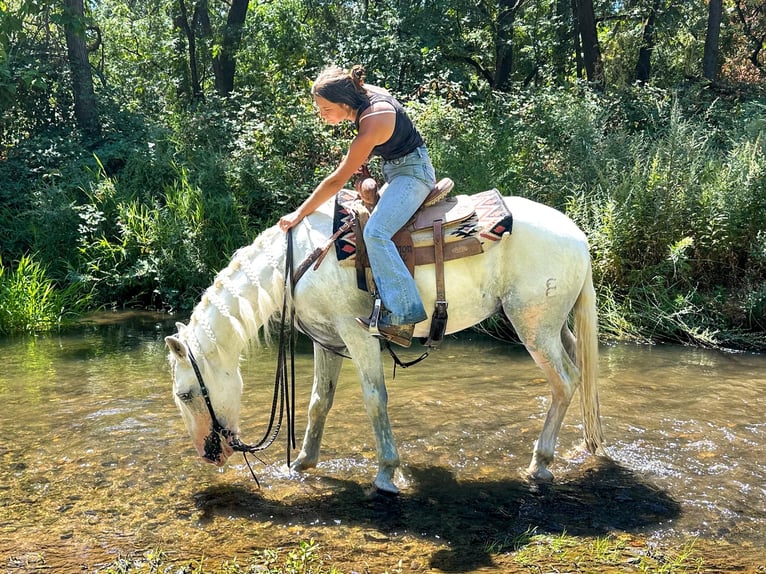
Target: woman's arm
{"x": 376, "y": 130}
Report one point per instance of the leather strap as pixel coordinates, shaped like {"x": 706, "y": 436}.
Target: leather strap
{"x": 439, "y": 261}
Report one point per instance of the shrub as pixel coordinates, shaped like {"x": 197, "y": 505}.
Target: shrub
{"x": 30, "y": 302}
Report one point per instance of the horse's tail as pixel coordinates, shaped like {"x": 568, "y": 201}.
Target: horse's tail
{"x": 586, "y": 333}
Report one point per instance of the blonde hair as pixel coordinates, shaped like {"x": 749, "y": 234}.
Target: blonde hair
{"x": 341, "y": 87}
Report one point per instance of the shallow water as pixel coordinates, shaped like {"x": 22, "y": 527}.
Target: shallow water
{"x": 96, "y": 463}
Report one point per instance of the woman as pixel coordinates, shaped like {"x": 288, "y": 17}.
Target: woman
{"x": 383, "y": 129}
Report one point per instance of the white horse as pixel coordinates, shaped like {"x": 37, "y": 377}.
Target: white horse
{"x": 537, "y": 275}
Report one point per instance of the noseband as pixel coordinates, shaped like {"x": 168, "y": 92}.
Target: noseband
{"x": 284, "y": 385}
{"x": 227, "y": 434}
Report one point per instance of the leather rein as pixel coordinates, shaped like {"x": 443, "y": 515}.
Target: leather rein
{"x": 284, "y": 383}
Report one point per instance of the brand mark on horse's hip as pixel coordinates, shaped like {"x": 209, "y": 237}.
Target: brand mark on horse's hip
{"x": 550, "y": 287}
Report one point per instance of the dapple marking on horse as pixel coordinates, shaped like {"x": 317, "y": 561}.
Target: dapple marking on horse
{"x": 537, "y": 275}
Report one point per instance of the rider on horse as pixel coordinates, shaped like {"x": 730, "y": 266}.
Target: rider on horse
{"x": 383, "y": 129}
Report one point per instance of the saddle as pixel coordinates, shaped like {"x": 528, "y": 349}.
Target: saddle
{"x": 443, "y": 229}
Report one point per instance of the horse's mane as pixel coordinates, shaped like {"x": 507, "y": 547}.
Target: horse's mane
{"x": 240, "y": 306}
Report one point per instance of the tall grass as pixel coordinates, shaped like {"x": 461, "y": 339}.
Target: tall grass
{"x": 159, "y": 253}
{"x": 673, "y": 202}
{"x": 30, "y": 302}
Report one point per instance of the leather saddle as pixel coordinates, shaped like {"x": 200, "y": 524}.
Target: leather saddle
{"x": 443, "y": 229}
{"x": 424, "y": 234}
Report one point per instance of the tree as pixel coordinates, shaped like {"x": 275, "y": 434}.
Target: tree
{"x": 710, "y": 58}
{"x": 591, "y": 52}
{"x": 186, "y": 44}
{"x": 507, "y": 11}
{"x": 85, "y": 110}
{"x": 644, "y": 64}
{"x": 752, "y": 18}
{"x": 206, "y": 48}
{"x": 225, "y": 47}
{"x": 562, "y": 14}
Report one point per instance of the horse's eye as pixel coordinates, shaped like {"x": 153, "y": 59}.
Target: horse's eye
{"x": 185, "y": 397}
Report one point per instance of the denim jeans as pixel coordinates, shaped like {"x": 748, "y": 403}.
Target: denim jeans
{"x": 409, "y": 179}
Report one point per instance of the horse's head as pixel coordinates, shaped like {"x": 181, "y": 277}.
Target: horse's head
{"x": 213, "y": 424}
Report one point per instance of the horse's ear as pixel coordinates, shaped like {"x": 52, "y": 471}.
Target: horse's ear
{"x": 176, "y": 346}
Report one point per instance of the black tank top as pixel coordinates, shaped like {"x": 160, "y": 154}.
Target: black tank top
{"x": 405, "y": 138}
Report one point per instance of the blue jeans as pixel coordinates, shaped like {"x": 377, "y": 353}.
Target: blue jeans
{"x": 409, "y": 179}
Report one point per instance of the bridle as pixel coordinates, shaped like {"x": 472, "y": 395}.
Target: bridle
{"x": 284, "y": 385}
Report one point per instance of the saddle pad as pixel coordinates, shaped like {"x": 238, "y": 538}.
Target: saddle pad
{"x": 487, "y": 223}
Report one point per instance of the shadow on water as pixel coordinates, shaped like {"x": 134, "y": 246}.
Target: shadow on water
{"x": 474, "y": 519}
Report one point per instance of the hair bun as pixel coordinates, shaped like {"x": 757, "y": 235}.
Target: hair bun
{"x": 357, "y": 74}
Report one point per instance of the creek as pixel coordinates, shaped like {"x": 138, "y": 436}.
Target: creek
{"x": 96, "y": 463}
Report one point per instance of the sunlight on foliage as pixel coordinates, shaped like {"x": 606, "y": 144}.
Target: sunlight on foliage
{"x": 29, "y": 300}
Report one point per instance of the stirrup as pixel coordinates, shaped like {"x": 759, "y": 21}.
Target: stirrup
{"x": 399, "y": 334}
{"x": 375, "y": 317}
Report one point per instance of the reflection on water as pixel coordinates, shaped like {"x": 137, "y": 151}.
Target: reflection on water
{"x": 96, "y": 463}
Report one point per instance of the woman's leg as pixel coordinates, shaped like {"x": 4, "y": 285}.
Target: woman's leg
{"x": 402, "y": 196}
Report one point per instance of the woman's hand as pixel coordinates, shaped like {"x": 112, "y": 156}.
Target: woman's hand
{"x": 290, "y": 220}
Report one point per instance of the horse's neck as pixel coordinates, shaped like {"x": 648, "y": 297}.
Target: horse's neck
{"x": 214, "y": 337}
{"x": 242, "y": 299}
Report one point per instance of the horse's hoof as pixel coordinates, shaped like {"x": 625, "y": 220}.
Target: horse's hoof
{"x": 541, "y": 474}
{"x": 385, "y": 487}
{"x": 301, "y": 464}
{"x": 384, "y": 484}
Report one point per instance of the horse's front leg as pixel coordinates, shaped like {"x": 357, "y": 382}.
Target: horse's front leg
{"x": 326, "y": 371}
{"x": 375, "y": 399}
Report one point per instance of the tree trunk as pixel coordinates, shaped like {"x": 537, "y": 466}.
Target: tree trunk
{"x": 224, "y": 63}
{"x": 710, "y": 58}
{"x": 562, "y": 10}
{"x": 506, "y": 17}
{"x": 644, "y": 65}
{"x": 576, "y": 37}
{"x": 85, "y": 110}
{"x": 183, "y": 24}
{"x": 588, "y": 34}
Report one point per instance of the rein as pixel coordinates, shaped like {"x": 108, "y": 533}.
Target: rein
{"x": 284, "y": 383}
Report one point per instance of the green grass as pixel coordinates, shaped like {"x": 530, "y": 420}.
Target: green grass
{"x": 304, "y": 559}
{"x": 608, "y": 553}
{"x": 30, "y": 302}
{"x": 528, "y": 551}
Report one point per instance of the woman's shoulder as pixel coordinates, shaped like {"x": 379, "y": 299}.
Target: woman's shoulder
{"x": 380, "y": 104}
{"x": 377, "y": 90}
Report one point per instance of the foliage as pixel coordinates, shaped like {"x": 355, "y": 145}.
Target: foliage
{"x": 152, "y": 253}
{"x": 30, "y": 302}
{"x": 667, "y": 179}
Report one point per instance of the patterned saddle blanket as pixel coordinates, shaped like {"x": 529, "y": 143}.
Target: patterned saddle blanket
{"x": 470, "y": 223}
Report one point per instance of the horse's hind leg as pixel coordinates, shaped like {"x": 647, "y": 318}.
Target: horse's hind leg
{"x": 563, "y": 377}
{"x": 326, "y": 371}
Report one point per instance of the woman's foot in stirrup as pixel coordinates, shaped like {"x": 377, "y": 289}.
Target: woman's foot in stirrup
{"x": 398, "y": 334}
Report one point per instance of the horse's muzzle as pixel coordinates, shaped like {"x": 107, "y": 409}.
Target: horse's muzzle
{"x": 216, "y": 450}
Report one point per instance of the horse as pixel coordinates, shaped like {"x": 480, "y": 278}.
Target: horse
{"x": 539, "y": 275}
